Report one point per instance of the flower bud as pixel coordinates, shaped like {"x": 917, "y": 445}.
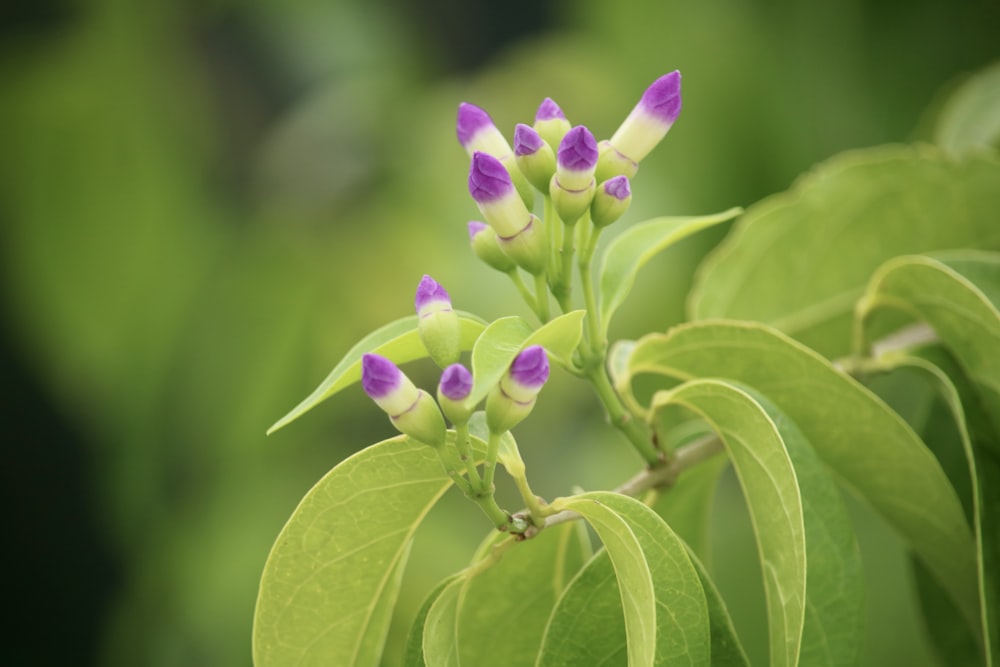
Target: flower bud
{"x": 438, "y": 323}
{"x": 529, "y": 247}
{"x": 487, "y": 247}
{"x": 550, "y": 122}
{"x": 455, "y": 386}
{"x": 572, "y": 187}
{"x": 534, "y": 157}
{"x": 611, "y": 163}
{"x": 477, "y": 133}
{"x": 412, "y": 411}
{"x": 647, "y": 124}
{"x": 513, "y": 399}
{"x": 611, "y": 201}
{"x": 519, "y": 233}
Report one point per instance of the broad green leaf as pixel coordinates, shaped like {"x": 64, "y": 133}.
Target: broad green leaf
{"x": 413, "y": 652}
{"x": 780, "y": 472}
{"x": 399, "y": 341}
{"x": 508, "y": 604}
{"x": 630, "y": 251}
{"x": 328, "y": 585}
{"x": 588, "y": 626}
{"x": 769, "y": 483}
{"x": 727, "y": 651}
{"x": 962, "y": 316}
{"x": 441, "y": 626}
{"x": 502, "y": 340}
{"x": 985, "y": 486}
{"x": 970, "y": 119}
{"x": 869, "y": 446}
{"x": 800, "y": 259}
{"x": 637, "y": 598}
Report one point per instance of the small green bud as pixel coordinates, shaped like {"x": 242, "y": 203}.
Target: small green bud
{"x": 535, "y": 158}
{"x": 454, "y": 388}
{"x": 551, "y": 123}
{"x": 611, "y": 201}
{"x": 438, "y": 323}
{"x": 412, "y": 411}
{"x": 486, "y": 245}
{"x": 514, "y": 397}
{"x": 611, "y": 163}
{"x": 528, "y": 247}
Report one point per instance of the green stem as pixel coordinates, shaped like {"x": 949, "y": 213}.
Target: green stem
{"x": 526, "y": 294}
{"x": 465, "y": 453}
{"x": 598, "y": 346}
{"x": 451, "y": 466}
{"x": 542, "y": 298}
{"x": 620, "y": 418}
{"x": 554, "y": 227}
{"x": 490, "y": 466}
{"x": 488, "y": 504}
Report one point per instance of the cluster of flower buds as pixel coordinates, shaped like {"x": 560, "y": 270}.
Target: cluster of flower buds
{"x": 414, "y": 412}
{"x": 564, "y": 163}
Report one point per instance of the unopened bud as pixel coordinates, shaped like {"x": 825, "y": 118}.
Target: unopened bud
{"x": 438, "y": 325}
{"x": 514, "y": 397}
{"x": 611, "y": 200}
{"x": 412, "y": 411}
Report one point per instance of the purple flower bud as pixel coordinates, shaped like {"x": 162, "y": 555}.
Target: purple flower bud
{"x": 526, "y": 140}
{"x": 578, "y": 150}
{"x": 618, "y": 187}
{"x": 476, "y": 132}
{"x": 648, "y": 122}
{"x": 471, "y": 120}
{"x": 456, "y": 382}
{"x": 488, "y": 179}
{"x": 549, "y": 110}
{"x": 663, "y": 98}
{"x": 530, "y": 369}
{"x": 431, "y": 297}
{"x": 379, "y": 376}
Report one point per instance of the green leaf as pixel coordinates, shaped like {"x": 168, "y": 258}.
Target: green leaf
{"x": 413, "y": 652}
{"x": 970, "y": 119}
{"x": 984, "y": 475}
{"x": 329, "y": 583}
{"x": 637, "y": 597}
{"x": 441, "y": 626}
{"x": 687, "y": 504}
{"x": 727, "y": 651}
{"x": 773, "y": 497}
{"x": 502, "y": 340}
{"x": 399, "y": 341}
{"x": 508, "y": 604}
{"x": 632, "y": 249}
{"x": 962, "y": 316}
{"x": 799, "y": 260}
{"x": 869, "y": 446}
{"x": 589, "y": 622}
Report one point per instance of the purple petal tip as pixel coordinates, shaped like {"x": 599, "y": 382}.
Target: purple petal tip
{"x": 549, "y": 110}
{"x": 379, "y": 376}
{"x": 488, "y": 179}
{"x": 471, "y": 119}
{"x": 526, "y": 140}
{"x": 618, "y": 187}
{"x": 456, "y": 382}
{"x": 663, "y": 97}
{"x": 475, "y": 227}
{"x": 578, "y": 150}
{"x": 531, "y": 367}
{"x": 429, "y": 291}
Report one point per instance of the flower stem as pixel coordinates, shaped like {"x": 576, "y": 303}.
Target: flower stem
{"x": 465, "y": 453}
{"x": 490, "y": 466}
{"x": 526, "y": 294}
{"x": 542, "y": 298}
{"x": 620, "y": 418}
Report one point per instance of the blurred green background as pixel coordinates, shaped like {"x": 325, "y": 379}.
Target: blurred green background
{"x": 204, "y": 204}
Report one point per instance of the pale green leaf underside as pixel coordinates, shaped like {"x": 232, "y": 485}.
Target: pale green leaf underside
{"x": 970, "y": 120}
{"x": 631, "y": 250}
{"x": 399, "y": 341}
{"x": 801, "y": 258}
{"x": 987, "y": 532}
{"x": 413, "y": 652}
{"x": 867, "y": 444}
{"x": 588, "y": 625}
{"x": 727, "y": 651}
{"x": 324, "y": 583}
{"x": 502, "y": 340}
{"x": 637, "y": 597}
{"x": 963, "y": 317}
{"x": 441, "y": 626}
{"x": 772, "y": 492}
{"x": 508, "y": 604}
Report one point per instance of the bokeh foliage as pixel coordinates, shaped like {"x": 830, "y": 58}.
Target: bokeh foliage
{"x": 204, "y": 205}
